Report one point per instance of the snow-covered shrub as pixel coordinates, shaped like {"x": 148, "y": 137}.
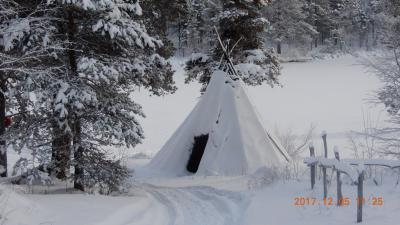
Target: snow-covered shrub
{"x": 30, "y": 175}
{"x": 199, "y": 67}
{"x": 295, "y": 54}
{"x": 16, "y": 209}
{"x": 262, "y": 177}
{"x": 140, "y": 155}
{"x": 258, "y": 66}
{"x": 295, "y": 145}
{"x": 328, "y": 51}
{"x": 101, "y": 174}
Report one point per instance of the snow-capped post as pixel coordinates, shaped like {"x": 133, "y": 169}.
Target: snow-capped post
{"x": 324, "y": 168}
{"x": 312, "y": 167}
{"x": 360, "y": 197}
{"x": 338, "y": 179}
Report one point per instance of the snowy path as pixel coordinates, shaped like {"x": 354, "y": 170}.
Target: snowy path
{"x": 199, "y": 205}
{"x": 156, "y": 201}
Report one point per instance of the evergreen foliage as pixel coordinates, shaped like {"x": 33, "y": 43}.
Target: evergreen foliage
{"x": 81, "y": 61}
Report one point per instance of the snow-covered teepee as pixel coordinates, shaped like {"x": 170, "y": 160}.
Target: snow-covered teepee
{"x": 223, "y": 135}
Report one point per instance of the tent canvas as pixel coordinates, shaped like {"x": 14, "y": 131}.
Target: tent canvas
{"x": 234, "y": 141}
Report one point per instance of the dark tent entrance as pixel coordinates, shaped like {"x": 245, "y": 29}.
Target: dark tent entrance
{"x": 199, "y": 145}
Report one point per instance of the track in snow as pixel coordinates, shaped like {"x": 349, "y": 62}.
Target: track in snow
{"x": 200, "y": 205}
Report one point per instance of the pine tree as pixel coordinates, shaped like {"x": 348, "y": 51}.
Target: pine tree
{"x": 288, "y": 23}
{"x": 319, "y": 15}
{"x": 84, "y": 103}
{"x": 158, "y": 16}
{"x": 168, "y": 17}
{"x": 240, "y": 22}
{"x": 201, "y": 20}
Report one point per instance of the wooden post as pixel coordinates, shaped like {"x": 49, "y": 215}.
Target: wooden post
{"x": 323, "y": 168}
{"x": 338, "y": 180}
{"x": 360, "y": 197}
{"x": 312, "y": 167}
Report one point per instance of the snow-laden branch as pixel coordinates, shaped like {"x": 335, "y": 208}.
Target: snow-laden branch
{"x": 347, "y": 166}
{"x": 337, "y": 165}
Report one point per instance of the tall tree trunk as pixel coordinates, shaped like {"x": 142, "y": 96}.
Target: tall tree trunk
{"x": 322, "y": 38}
{"x": 60, "y": 152}
{"x": 279, "y": 47}
{"x": 179, "y": 34}
{"x": 3, "y": 151}
{"x": 77, "y": 131}
{"x": 78, "y": 155}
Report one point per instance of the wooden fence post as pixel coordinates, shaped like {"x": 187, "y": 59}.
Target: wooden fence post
{"x": 338, "y": 180}
{"x": 312, "y": 167}
{"x": 360, "y": 197}
{"x": 324, "y": 168}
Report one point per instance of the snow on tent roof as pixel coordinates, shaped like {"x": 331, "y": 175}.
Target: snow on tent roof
{"x": 236, "y": 141}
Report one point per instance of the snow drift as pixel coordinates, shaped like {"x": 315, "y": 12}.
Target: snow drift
{"x": 15, "y": 209}
{"x": 223, "y": 135}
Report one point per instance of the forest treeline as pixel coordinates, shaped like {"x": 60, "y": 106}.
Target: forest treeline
{"x": 300, "y": 24}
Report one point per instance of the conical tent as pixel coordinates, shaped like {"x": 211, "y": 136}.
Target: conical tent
{"x": 223, "y": 135}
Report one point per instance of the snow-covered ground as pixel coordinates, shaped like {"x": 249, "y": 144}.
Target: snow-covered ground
{"x": 200, "y": 200}
{"x": 330, "y": 93}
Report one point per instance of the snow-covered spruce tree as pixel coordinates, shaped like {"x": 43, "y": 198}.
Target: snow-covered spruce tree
{"x": 318, "y": 15}
{"x": 338, "y": 15}
{"x": 288, "y": 23}
{"x": 240, "y": 20}
{"x": 159, "y": 16}
{"x": 173, "y": 17}
{"x": 201, "y": 20}
{"x": 107, "y": 54}
{"x": 360, "y": 21}
{"x": 378, "y": 23}
{"x": 168, "y": 17}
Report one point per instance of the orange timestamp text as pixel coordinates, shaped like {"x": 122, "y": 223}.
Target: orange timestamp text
{"x": 330, "y": 201}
